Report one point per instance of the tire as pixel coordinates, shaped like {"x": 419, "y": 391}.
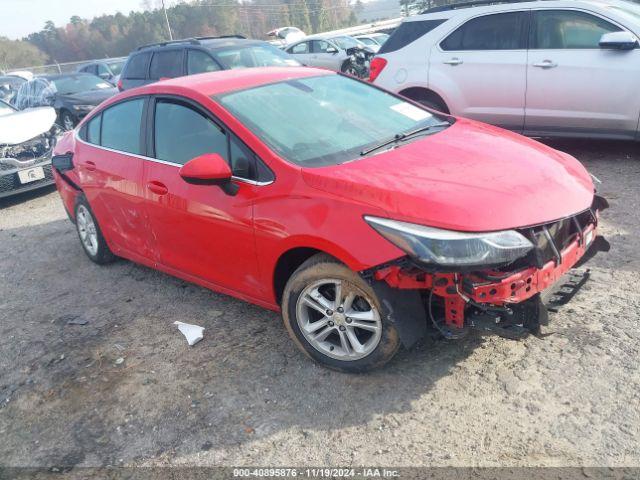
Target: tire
{"x": 432, "y": 104}
{"x": 66, "y": 120}
{"x": 376, "y": 340}
{"x": 90, "y": 235}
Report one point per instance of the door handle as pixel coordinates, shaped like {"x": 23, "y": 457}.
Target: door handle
{"x": 89, "y": 165}
{"x": 453, "y": 61}
{"x": 157, "y": 188}
{"x": 545, "y": 64}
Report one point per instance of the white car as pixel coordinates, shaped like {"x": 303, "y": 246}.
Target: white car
{"x": 543, "y": 68}
{"x": 373, "y": 40}
{"x": 327, "y": 51}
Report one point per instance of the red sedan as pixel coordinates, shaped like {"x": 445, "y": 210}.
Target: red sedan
{"x": 365, "y": 218}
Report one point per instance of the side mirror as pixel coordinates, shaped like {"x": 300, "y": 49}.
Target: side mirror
{"x": 332, "y": 50}
{"x": 209, "y": 169}
{"x": 619, "y": 41}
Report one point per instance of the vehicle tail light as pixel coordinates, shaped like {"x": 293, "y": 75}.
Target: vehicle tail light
{"x": 120, "y": 85}
{"x": 377, "y": 65}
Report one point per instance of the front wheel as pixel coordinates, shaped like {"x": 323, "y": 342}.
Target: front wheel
{"x": 335, "y": 318}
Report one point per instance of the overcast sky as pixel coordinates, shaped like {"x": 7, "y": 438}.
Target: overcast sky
{"x": 21, "y": 17}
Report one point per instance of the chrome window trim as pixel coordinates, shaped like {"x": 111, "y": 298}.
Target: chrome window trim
{"x": 164, "y": 162}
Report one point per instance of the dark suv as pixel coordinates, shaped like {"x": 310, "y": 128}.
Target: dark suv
{"x": 150, "y": 63}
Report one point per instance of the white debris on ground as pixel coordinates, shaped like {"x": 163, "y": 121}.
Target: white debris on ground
{"x": 193, "y": 333}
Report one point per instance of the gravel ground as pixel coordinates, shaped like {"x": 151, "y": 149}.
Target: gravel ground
{"x": 125, "y": 389}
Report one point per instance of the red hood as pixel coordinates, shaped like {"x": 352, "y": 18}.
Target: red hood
{"x": 469, "y": 177}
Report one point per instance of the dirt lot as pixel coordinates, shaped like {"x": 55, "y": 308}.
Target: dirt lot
{"x": 245, "y": 396}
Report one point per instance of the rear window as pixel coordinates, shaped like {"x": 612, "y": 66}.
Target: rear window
{"x": 121, "y": 125}
{"x": 408, "y": 32}
{"x": 137, "y": 66}
{"x": 166, "y": 64}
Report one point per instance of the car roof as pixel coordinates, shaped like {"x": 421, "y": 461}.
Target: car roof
{"x": 210, "y": 43}
{"x": 223, "y": 81}
{"x": 468, "y": 8}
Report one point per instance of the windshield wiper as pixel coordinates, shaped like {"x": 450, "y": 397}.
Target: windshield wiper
{"x": 402, "y": 136}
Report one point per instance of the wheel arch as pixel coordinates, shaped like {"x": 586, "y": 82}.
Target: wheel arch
{"x": 423, "y": 93}
{"x": 295, "y": 255}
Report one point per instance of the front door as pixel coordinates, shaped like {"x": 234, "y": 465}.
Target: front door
{"x": 573, "y": 85}
{"x": 200, "y": 230}
{"x": 480, "y": 69}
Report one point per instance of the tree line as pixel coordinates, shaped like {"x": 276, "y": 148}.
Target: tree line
{"x": 117, "y": 35}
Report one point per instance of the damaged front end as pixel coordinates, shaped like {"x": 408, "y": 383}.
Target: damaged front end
{"x": 25, "y": 152}
{"x": 455, "y": 281}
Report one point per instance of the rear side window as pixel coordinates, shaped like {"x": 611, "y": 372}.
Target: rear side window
{"x": 503, "y": 31}
{"x": 200, "y": 62}
{"x": 93, "y": 130}
{"x": 121, "y": 125}
{"x": 137, "y": 67}
{"x": 300, "y": 48}
{"x": 182, "y": 133}
{"x": 408, "y": 32}
{"x": 167, "y": 63}
{"x": 568, "y": 29}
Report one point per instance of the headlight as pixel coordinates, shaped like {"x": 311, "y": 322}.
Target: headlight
{"x": 455, "y": 249}
{"x": 83, "y": 108}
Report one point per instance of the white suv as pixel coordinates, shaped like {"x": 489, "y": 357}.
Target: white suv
{"x": 543, "y": 68}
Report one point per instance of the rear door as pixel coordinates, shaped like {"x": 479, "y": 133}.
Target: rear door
{"x": 480, "y": 68}
{"x": 574, "y": 86}
{"x": 200, "y": 230}
{"x": 303, "y": 53}
{"x": 110, "y": 163}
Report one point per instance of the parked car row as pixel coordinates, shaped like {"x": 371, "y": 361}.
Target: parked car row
{"x": 542, "y": 68}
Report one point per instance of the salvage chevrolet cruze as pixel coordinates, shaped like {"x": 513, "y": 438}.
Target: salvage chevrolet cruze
{"x": 366, "y": 219}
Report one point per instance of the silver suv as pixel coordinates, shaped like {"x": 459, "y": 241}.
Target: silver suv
{"x": 544, "y": 68}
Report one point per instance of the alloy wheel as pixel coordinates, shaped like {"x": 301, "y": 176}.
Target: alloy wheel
{"x": 338, "y": 319}
{"x": 87, "y": 230}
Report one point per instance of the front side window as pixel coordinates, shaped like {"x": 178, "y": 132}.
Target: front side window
{"x": 568, "y": 29}
{"x": 137, "y": 66}
{"x": 182, "y": 133}
{"x": 320, "y": 46}
{"x": 348, "y": 117}
{"x": 503, "y": 31}
{"x": 200, "y": 62}
{"x": 121, "y": 126}
{"x": 103, "y": 70}
{"x": 166, "y": 64}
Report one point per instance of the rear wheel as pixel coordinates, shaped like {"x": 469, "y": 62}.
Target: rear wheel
{"x": 335, "y": 318}
{"x": 90, "y": 235}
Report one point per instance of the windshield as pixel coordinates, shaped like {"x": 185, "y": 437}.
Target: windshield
{"x": 116, "y": 67}
{"x": 346, "y": 42}
{"x": 78, "y": 83}
{"x": 254, "y": 56}
{"x": 368, "y": 41}
{"x": 380, "y": 37}
{"x": 324, "y": 120}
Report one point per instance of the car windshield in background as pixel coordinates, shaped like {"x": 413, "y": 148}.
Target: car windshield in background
{"x": 347, "y": 42}
{"x": 381, "y": 38}
{"x": 324, "y": 120}
{"x": 116, "y": 67}
{"x": 78, "y": 83}
{"x": 254, "y": 56}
